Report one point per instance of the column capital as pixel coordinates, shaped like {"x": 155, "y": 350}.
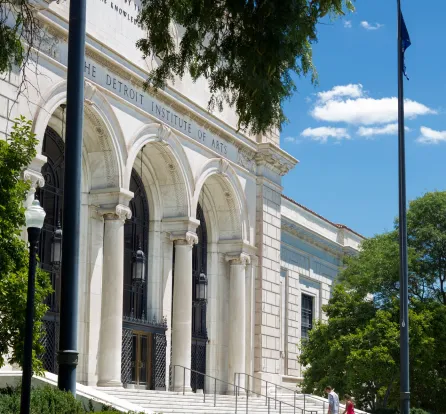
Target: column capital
{"x": 238, "y": 259}
{"x": 184, "y": 238}
{"x": 119, "y": 212}
{"x": 35, "y": 177}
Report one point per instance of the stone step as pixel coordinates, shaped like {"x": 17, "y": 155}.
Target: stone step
{"x": 196, "y": 403}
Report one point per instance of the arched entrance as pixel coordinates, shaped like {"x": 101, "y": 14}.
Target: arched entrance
{"x": 199, "y": 329}
{"x": 51, "y": 199}
{"x": 143, "y": 362}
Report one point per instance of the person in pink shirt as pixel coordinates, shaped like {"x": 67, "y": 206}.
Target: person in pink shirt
{"x": 349, "y": 405}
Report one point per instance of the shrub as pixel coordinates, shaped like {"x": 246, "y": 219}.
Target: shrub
{"x": 47, "y": 400}
{"x": 418, "y": 411}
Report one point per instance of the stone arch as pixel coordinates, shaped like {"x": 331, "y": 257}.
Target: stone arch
{"x": 167, "y": 173}
{"x": 228, "y": 211}
{"x": 104, "y": 146}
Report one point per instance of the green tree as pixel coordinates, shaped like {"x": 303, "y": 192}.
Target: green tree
{"x": 246, "y": 50}
{"x": 18, "y": 27}
{"x": 426, "y": 229}
{"x": 16, "y": 153}
{"x": 360, "y": 342}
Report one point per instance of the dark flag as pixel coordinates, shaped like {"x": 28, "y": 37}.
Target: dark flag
{"x": 405, "y": 42}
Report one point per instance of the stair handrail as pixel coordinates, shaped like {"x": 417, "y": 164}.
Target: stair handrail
{"x": 296, "y": 394}
{"x": 237, "y": 389}
{"x": 276, "y": 386}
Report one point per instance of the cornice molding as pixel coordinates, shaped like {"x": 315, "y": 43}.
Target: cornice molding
{"x": 40, "y": 5}
{"x": 312, "y": 238}
{"x": 275, "y": 158}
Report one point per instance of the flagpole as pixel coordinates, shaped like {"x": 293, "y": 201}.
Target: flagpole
{"x": 404, "y": 279}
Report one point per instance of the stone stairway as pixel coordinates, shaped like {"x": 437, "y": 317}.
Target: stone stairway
{"x": 191, "y": 403}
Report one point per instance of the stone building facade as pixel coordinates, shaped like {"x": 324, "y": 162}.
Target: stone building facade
{"x": 165, "y": 179}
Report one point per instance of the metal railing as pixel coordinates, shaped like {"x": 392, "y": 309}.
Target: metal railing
{"x": 248, "y": 377}
{"x": 296, "y": 395}
{"x": 237, "y": 389}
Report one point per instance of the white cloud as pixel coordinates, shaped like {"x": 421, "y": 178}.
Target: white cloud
{"x": 430, "y": 136}
{"x": 367, "y": 111}
{"x": 390, "y": 129}
{"x": 341, "y": 91}
{"x": 347, "y": 24}
{"x": 323, "y": 133}
{"x": 292, "y": 139}
{"x": 367, "y": 26}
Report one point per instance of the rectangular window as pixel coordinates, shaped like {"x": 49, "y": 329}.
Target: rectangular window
{"x": 307, "y": 315}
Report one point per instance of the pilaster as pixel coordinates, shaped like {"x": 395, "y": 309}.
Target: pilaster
{"x": 272, "y": 164}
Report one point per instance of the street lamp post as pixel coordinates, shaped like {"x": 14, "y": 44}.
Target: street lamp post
{"x": 34, "y": 215}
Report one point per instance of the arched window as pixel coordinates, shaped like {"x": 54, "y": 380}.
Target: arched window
{"x": 199, "y": 329}
{"x": 51, "y": 199}
{"x": 136, "y": 231}
{"x": 199, "y": 265}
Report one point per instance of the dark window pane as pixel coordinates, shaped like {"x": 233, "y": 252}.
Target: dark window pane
{"x": 306, "y": 315}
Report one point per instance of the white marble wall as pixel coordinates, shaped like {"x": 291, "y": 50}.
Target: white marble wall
{"x": 267, "y": 303}
{"x": 312, "y": 249}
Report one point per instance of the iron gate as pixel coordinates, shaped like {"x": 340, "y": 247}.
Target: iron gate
{"x": 159, "y": 361}
{"x": 50, "y": 341}
{"x": 198, "y": 363}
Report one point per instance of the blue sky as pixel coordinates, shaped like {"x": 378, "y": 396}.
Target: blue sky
{"x": 343, "y": 131}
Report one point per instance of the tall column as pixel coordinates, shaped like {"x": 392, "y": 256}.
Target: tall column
{"x": 109, "y": 366}
{"x": 237, "y": 316}
{"x": 182, "y": 309}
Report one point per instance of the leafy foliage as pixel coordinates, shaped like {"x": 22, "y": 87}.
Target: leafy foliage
{"x": 18, "y": 29}
{"x": 15, "y": 154}
{"x": 246, "y": 50}
{"x": 358, "y": 349}
{"x": 46, "y": 400}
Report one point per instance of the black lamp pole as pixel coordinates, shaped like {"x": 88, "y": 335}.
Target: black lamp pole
{"x": 33, "y": 238}
{"x": 68, "y": 355}
{"x": 35, "y": 216}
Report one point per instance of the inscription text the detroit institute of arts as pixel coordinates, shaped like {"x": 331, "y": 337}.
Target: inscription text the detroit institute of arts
{"x": 128, "y": 10}
{"x": 152, "y": 106}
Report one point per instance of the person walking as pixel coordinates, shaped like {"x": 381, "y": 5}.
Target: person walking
{"x": 349, "y": 405}
{"x": 333, "y": 401}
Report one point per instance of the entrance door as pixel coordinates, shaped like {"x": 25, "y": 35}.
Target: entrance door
{"x": 142, "y": 359}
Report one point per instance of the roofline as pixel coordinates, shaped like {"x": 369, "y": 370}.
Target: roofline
{"x": 339, "y": 226}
